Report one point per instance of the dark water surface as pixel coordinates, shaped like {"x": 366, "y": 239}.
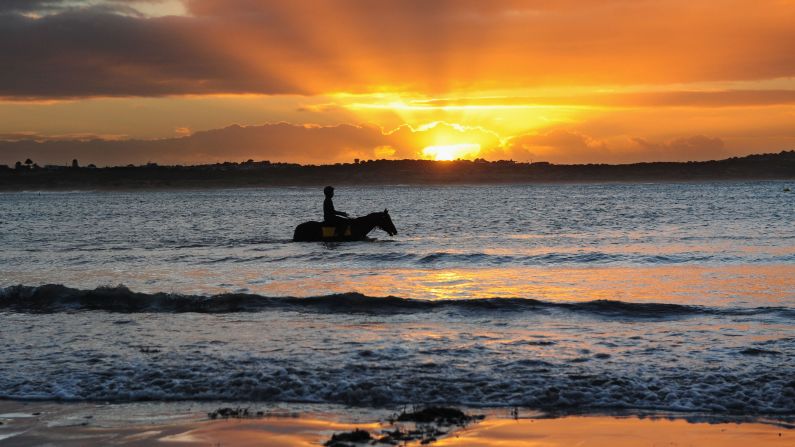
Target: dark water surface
{"x": 645, "y": 296}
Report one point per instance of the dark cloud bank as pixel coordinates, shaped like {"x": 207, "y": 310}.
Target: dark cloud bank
{"x": 284, "y": 142}
{"x": 63, "y": 49}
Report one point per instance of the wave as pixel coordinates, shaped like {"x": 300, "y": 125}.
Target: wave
{"x": 523, "y": 385}
{"x": 277, "y": 251}
{"x": 443, "y": 258}
{"x": 53, "y": 298}
{"x": 395, "y": 377}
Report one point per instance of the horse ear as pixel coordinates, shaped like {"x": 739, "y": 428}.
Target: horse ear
{"x": 386, "y": 211}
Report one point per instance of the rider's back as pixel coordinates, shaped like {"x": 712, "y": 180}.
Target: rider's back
{"x": 328, "y": 210}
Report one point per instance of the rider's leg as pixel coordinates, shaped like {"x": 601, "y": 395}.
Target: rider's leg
{"x": 341, "y": 225}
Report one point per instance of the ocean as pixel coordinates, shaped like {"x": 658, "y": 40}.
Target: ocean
{"x": 582, "y": 298}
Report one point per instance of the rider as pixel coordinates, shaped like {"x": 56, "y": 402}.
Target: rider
{"x": 332, "y": 216}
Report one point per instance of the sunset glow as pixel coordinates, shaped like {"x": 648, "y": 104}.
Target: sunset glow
{"x": 325, "y": 82}
{"x": 451, "y": 151}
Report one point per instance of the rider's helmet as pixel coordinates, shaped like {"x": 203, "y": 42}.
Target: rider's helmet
{"x": 328, "y": 190}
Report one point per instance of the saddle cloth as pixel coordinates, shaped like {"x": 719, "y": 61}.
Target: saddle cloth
{"x": 329, "y": 231}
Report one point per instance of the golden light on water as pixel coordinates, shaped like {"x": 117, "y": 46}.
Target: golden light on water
{"x": 494, "y": 431}
{"x": 448, "y": 152}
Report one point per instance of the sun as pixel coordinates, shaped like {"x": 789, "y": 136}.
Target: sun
{"x": 451, "y": 151}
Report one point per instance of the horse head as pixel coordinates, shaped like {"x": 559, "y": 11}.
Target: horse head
{"x": 385, "y": 223}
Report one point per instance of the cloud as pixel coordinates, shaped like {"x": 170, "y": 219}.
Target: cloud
{"x": 40, "y": 8}
{"x": 724, "y": 98}
{"x": 74, "y": 136}
{"x": 29, "y": 5}
{"x": 571, "y": 147}
{"x": 680, "y": 149}
{"x": 274, "y": 47}
{"x": 309, "y": 144}
{"x": 557, "y": 146}
{"x": 86, "y": 52}
{"x": 275, "y": 142}
{"x": 673, "y": 98}
{"x": 409, "y": 142}
{"x": 183, "y": 131}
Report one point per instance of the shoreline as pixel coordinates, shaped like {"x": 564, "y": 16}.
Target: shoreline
{"x": 27, "y": 423}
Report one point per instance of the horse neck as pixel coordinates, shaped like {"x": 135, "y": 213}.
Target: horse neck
{"x": 368, "y": 222}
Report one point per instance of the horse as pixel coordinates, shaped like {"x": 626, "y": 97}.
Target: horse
{"x": 355, "y": 230}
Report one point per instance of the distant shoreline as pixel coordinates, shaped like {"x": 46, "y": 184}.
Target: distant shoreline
{"x": 251, "y": 174}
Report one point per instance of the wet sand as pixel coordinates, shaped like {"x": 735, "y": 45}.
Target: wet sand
{"x": 187, "y": 424}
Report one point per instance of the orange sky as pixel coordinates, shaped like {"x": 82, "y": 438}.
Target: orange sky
{"x": 565, "y": 81}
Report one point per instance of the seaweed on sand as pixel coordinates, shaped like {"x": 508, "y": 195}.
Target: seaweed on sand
{"x": 341, "y": 439}
{"x": 438, "y": 415}
{"x": 428, "y": 425}
{"x": 234, "y": 413}
{"x": 426, "y": 434}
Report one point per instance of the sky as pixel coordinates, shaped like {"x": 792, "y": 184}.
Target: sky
{"x": 115, "y": 82}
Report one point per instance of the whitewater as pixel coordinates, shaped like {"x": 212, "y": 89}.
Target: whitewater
{"x": 582, "y": 298}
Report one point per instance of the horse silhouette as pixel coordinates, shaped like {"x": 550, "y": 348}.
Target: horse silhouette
{"x": 355, "y": 229}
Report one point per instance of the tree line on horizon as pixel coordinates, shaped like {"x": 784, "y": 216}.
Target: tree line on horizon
{"x": 250, "y": 173}
{"x": 29, "y": 164}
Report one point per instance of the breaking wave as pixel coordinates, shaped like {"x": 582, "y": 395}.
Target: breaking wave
{"x": 531, "y": 384}
{"x": 52, "y": 298}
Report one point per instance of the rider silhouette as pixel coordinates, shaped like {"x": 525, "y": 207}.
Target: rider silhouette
{"x": 332, "y": 216}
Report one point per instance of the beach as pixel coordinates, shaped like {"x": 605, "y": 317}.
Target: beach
{"x": 185, "y": 424}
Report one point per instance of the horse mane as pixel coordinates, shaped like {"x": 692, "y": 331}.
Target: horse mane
{"x": 374, "y": 218}
{"x": 369, "y": 217}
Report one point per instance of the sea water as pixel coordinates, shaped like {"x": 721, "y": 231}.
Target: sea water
{"x": 553, "y": 297}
